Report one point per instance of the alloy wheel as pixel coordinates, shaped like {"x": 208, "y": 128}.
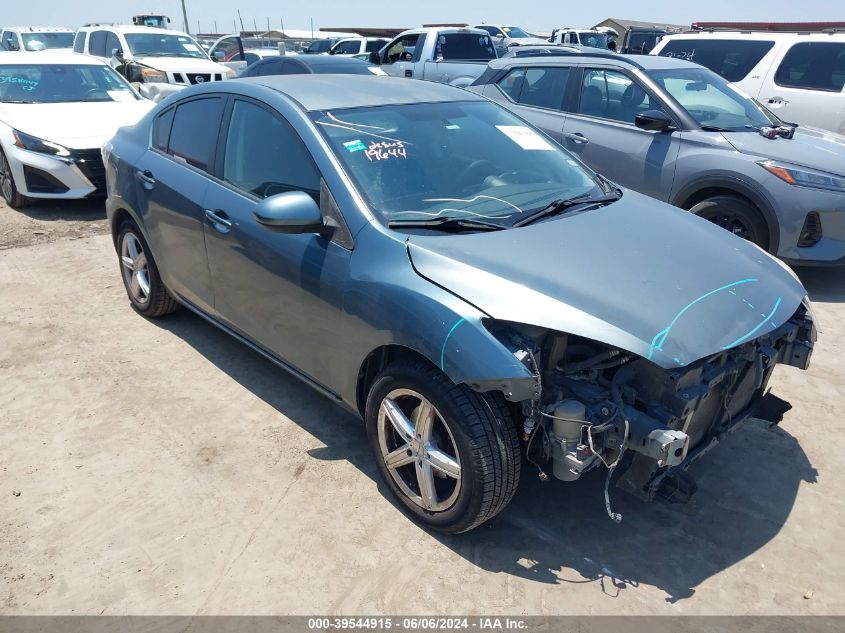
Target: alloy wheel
{"x": 6, "y": 185}
{"x": 136, "y": 271}
{"x": 732, "y": 223}
{"x": 419, "y": 450}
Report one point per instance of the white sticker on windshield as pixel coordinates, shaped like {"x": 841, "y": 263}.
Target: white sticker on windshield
{"x": 190, "y": 47}
{"x": 525, "y": 137}
{"x": 120, "y": 95}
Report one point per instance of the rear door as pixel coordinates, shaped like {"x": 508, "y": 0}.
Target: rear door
{"x": 535, "y": 93}
{"x": 282, "y": 291}
{"x": 600, "y": 129}
{"x": 172, "y": 181}
{"x": 808, "y": 85}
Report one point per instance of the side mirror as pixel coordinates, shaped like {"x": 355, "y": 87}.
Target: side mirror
{"x": 219, "y": 56}
{"x": 290, "y": 212}
{"x": 117, "y": 53}
{"x": 374, "y": 58}
{"x": 653, "y": 121}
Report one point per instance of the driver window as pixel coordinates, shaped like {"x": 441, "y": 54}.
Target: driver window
{"x": 264, "y": 155}
{"x": 609, "y": 94}
{"x": 400, "y": 48}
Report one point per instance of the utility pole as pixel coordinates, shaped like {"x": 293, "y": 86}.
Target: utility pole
{"x": 268, "y": 25}
{"x": 242, "y": 21}
{"x": 185, "y": 18}
{"x": 215, "y": 27}
{"x": 312, "y": 28}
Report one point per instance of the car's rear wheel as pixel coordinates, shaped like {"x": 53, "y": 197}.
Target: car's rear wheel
{"x": 451, "y": 456}
{"x": 8, "y": 189}
{"x": 736, "y": 215}
{"x": 140, "y": 274}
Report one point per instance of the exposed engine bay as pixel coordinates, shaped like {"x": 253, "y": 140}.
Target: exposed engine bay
{"x": 599, "y": 406}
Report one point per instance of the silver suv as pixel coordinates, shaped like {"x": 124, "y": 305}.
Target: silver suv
{"x": 678, "y": 132}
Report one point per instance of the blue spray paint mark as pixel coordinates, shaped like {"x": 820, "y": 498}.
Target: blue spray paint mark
{"x": 443, "y": 349}
{"x": 757, "y": 327}
{"x": 660, "y": 337}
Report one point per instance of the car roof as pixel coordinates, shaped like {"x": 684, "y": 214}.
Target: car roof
{"x": 38, "y": 29}
{"x": 46, "y": 57}
{"x": 754, "y": 35}
{"x": 132, "y": 28}
{"x": 643, "y": 62}
{"x": 326, "y": 92}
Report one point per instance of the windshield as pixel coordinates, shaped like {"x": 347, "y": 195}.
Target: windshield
{"x": 161, "y": 45}
{"x": 41, "y": 41}
{"x": 596, "y": 40}
{"x": 467, "y": 160}
{"x": 514, "y": 32}
{"x": 60, "y": 83}
{"x": 712, "y": 101}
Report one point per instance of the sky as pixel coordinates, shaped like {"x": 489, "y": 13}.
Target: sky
{"x": 530, "y": 14}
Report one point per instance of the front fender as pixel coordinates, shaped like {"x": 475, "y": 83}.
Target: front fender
{"x": 397, "y": 307}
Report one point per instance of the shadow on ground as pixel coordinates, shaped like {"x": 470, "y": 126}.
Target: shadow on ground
{"x": 559, "y": 533}
{"x": 87, "y": 209}
{"x": 823, "y": 283}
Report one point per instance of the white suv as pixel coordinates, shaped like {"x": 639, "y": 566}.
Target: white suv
{"x": 799, "y": 77}
{"x": 27, "y": 39}
{"x": 156, "y": 61}
{"x": 352, "y": 46}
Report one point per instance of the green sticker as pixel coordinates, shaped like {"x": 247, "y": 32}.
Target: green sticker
{"x": 355, "y": 146}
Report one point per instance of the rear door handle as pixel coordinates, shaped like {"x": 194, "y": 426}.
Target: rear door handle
{"x": 219, "y": 220}
{"x": 147, "y": 178}
{"x": 576, "y": 137}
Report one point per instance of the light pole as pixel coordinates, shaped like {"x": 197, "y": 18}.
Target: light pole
{"x": 185, "y": 18}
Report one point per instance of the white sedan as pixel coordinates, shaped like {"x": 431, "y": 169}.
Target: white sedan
{"x": 56, "y": 111}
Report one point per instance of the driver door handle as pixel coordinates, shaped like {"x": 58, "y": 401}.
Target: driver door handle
{"x": 146, "y": 177}
{"x": 576, "y": 137}
{"x": 219, "y": 219}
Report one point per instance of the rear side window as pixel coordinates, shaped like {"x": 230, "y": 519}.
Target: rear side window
{"x": 347, "y": 48}
{"x": 464, "y": 46}
{"x": 194, "y": 131}
{"x": 10, "y": 41}
{"x": 813, "y": 66}
{"x": 733, "y": 59}
{"x": 541, "y": 87}
{"x": 79, "y": 43}
{"x": 264, "y": 155}
{"x": 161, "y": 129}
{"x": 269, "y": 68}
{"x": 97, "y": 43}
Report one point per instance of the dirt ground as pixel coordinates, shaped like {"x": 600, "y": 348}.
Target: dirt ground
{"x": 163, "y": 468}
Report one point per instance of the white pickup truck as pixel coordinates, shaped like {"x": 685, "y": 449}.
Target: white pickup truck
{"x": 456, "y": 56}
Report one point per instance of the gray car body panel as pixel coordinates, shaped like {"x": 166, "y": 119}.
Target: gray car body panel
{"x": 637, "y": 274}
{"x": 676, "y": 166}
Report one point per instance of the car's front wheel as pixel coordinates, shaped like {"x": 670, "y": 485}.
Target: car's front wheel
{"x": 736, "y": 215}
{"x": 451, "y": 456}
{"x": 8, "y": 189}
{"x": 140, "y": 274}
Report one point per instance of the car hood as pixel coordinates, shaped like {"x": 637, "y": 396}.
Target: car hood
{"x": 182, "y": 64}
{"x": 82, "y": 125}
{"x": 637, "y": 274}
{"x": 809, "y": 147}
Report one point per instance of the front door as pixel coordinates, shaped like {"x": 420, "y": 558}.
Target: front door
{"x": 282, "y": 291}
{"x": 601, "y": 131}
{"x": 173, "y": 179}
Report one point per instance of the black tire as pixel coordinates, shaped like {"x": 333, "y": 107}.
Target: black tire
{"x": 8, "y": 188}
{"x": 736, "y": 215}
{"x": 156, "y": 301}
{"x": 480, "y": 427}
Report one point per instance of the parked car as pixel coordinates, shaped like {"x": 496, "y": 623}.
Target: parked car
{"x": 351, "y": 229}
{"x": 357, "y": 46}
{"x": 680, "y": 133}
{"x": 507, "y": 37}
{"x": 455, "y": 56}
{"x": 56, "y": 110}
{"x": 157, "y": 61}
{"x": 580, "y": 37}
{"x": 799, "y": 77}
{"x": 36, "y": 38}
{"x": 253, "y": 55}
{"x": 310, "y": 64}
{"x": 317, "y": 47}
{"x": 641, "y": 40}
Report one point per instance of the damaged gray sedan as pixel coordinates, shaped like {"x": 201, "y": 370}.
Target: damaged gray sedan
{"x": 447, "y": 272}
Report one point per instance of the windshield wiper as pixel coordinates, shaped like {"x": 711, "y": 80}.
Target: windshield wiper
{"x": 715, "y": 128}
{"x": 559, "y": 206}
{"x": 446, "y": 224}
